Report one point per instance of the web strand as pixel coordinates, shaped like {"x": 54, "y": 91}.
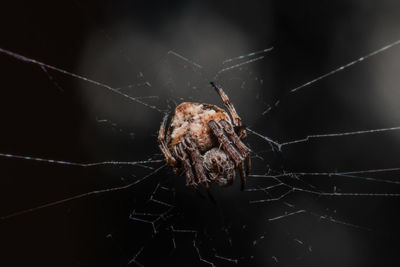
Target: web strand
{"x": 317, "y": 136}
{"x": 247, "y": 55}
{"x": 62, "y": 162}
{"x": 347, "y": 65}
{"x": 96, "y": 192}
{"x": 341, "y": 68}
{"x": 44, "y": 65}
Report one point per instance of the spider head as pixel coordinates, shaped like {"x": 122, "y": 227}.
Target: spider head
{"x": 220, "y": 167}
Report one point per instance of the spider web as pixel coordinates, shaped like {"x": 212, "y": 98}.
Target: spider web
{"x": 321, "y": 184}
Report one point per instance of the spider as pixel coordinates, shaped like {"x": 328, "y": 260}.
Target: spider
{"x": 194, "y": 139}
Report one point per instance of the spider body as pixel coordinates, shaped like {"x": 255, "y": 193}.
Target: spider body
{"x": 193, "y": 118}
{"x": 204, "y": 143}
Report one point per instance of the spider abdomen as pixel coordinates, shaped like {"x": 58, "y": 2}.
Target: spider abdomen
{"x": 192, "y": 118}
{"x": 221, "y": 168}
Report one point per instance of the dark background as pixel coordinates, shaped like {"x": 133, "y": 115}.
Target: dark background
{"x": 115, "y": 43}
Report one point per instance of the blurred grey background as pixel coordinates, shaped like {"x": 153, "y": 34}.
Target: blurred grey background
{"x": 132, "y": 45}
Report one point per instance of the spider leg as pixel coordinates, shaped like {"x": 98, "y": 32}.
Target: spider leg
{"x": 242, "y": 148}
{"x": 216, "y": 128}
{"x": 236, "y": 154}
{"x": 237, "y": 121}
{"x": 195, "y": 155}
{"x": 181, "y": 154}
{"x": 163, "y": 146}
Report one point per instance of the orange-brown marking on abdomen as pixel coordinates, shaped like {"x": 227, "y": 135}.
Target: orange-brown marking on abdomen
{"x": 192, "y": 118}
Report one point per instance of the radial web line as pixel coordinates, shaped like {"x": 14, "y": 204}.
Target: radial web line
{"x": 376, "y": 52}
{"x": 301, "y": 210}
{"x": 184, "y": 59}
{"x": 346, "y": 174}
{"x": 95, "y": 192}
{"x": 286, "y": 215}
{"x": 235, "y": 261}
{"x": 347, "y": 65}
{"x": 247, "y": 55}
{"x": 238, "y": 65}
{"x": 339, "y": 134}
{"x": 63, "y": 162}
{"x": 320, "y": 217}
{"x": 338, "y": 194}
{"x": 314, "y": 136}
{"x": 352, "y": 194}
{"x": 333, "y": 220}
{"x": 291, "y": 189}
{"x": 44, "y": 65}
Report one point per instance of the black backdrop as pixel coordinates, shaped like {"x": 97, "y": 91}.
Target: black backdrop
{"x": 118, "y": 42}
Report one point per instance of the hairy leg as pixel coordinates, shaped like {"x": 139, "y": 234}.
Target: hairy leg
{"x": 242, "y": 148}
{"x": 181, "y": 154}
{"x": 197, "y": 161}
{"x": 218, "y": 131}
{"x": 163, "y": 146}
{"x": 237, "y": 157}
{"x": 237, "y": 121}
